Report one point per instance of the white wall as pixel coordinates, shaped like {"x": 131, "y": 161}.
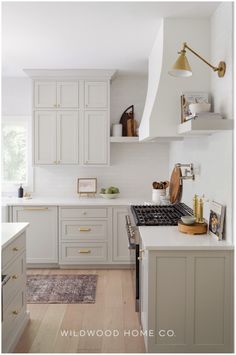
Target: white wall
{"x": 213, "y": 154}
{"x": 134, "y": 166}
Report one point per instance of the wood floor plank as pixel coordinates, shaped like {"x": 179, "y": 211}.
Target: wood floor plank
{"x": 114, "y": 310}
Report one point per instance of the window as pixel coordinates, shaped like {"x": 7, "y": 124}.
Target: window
{"x": 16, "y": 167}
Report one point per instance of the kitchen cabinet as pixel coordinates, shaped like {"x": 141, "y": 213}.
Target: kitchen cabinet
{"x": 187, "y": 300}
{"x": 14, "y": 313}
{"x": 96, "y": 94}
{"x": 120, "y": 251}
{"x": 56, "y": 137}
{"x": 67, "y": 137}
{"x": 96, "y": 145}
{"x": 84, "y": 235}
{"x": 45, "y": 137}
{"x": 53, "y": 94}
{"x": 42, "y": 234}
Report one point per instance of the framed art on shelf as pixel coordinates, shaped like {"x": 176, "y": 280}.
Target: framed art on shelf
{"x": 188, "y": 98}
{"x": 87, "y": 186}
{"x": 216, "y": 220}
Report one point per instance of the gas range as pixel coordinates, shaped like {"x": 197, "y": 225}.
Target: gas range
{"x": 153, "y": 215}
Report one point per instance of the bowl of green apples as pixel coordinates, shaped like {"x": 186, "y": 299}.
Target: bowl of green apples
{"x": 110, "y": 192}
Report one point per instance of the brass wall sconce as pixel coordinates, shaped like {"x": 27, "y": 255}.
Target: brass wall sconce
{"x": 182, "y": 69}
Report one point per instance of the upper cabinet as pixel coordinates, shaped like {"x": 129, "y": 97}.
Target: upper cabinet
{"x": 96, "y": 94}
{"x": 53, "y": 94}
{"x": 96, "y": 138}
{"x": 45, "y": 94}
{"x": 71, "y": 116}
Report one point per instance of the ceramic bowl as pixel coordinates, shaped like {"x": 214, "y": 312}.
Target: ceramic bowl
{"x": 109, "y": 196}
{"x": 188, "y": 219}
{"x": 197, "y": 108}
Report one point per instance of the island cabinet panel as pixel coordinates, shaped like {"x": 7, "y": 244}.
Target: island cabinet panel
{"x": 188, "y": 300}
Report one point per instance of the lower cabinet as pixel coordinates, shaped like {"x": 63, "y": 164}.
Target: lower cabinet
{"x": 187, "y": 301}
{"x": 120, "y": 251}
{"x": 74, "y": 235}
{"x": 14, "y": 312}
{"x": 42, "y": 233}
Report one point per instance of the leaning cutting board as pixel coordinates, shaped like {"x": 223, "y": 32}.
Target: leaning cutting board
{"x": 176, "y": 185}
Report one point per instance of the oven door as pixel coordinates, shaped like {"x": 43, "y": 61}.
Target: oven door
{"x": 134, "y": 246}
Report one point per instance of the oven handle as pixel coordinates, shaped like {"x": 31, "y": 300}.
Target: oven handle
{"x": 131, "y": 245}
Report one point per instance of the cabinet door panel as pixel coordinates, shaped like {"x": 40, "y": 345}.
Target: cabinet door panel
{"x": 45, "y": 94}
{"x": 68, "y": 94}
{"x": 120, "y": 250}
{"x": 41, "y": 236}
{"x": 45, "y": 137}
{"x": 96, "y": 94}
{"x": 67, "y": 137}
{"x": 96, "y": 144}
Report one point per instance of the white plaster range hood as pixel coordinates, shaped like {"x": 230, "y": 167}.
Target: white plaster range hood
{"x": 161, "y": 115}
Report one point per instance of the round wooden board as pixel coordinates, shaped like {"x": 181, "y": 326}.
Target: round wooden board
{"x": 176, "y": 186}
{"x": 196, "y": 228}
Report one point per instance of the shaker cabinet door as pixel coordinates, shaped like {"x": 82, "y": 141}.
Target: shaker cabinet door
{"x": 67, "y": 94}
{"x": 41, "y": 235}
{"x": 45, "y": 94}
{"x": 67, "y": 137}
{"x": 96, "y": 140}
{"x": 96, "y": 94}
{"x": 45, "y": 123}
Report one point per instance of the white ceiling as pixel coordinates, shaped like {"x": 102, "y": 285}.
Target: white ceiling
{"x": 109, "y": 35}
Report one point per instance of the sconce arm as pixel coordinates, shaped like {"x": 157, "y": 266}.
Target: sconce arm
{"x": 200, "y": 57}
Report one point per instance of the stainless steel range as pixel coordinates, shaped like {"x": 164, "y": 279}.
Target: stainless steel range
{"x": 150, "y": 215}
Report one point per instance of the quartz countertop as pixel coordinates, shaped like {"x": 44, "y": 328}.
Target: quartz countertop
{"x": 169, "y": 238}
{"x": 74, "y": 201}
{"x": 11, "y": 231}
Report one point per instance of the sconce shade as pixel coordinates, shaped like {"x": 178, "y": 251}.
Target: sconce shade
{"x": 181, "y": 68}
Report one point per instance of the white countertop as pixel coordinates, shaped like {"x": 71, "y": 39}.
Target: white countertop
{"x": 169, "y": 238}
{"x": 11, "y": 231}
{"x": 74, "y": 201}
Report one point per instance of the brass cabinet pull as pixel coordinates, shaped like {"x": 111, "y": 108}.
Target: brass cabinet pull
{"x": 15, "y": 313}
{"x": 14, "y": 277}
{"x": 35, "y": 208}
{"x": 84, "y": 251}
{"x": 15, "y": 249}
{"x": 84, "y": 229}
{"x": 141, "y": 250}
{"x": 139, "y": 258}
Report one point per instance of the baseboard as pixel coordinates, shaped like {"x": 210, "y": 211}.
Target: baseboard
{"x": 84, "y": 266}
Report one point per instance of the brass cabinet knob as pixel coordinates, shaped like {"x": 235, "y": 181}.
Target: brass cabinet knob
{"x": 15, "y": 313}
{"x": 141, "y": 250}
{"x": 15, "y": 249}
{"x": 84, "y": 213}
{"x": 14, "y": 277}
{"x": 139, "y": 258}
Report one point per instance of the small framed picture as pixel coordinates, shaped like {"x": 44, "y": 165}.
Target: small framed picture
{"x": 87, "y": 186}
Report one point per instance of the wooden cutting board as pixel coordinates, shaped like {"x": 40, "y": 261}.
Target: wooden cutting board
{"x": 176, "y": 186}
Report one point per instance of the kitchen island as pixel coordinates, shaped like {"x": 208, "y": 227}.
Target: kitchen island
{"x": 15, "y": 315}
{"x": 186, "y": 293}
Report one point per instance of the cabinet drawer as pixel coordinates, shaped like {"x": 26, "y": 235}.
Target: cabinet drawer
{"x": 13, "y": 250}
{"x": 84, "y": 252}
{"x": 16, "y": 272}
{"x": 83, "y": 213}
{"x": 84, "y": 229}
{"x": 12, "y": 314}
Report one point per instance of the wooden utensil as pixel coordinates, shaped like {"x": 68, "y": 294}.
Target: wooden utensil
{"x": 176, "y": 186}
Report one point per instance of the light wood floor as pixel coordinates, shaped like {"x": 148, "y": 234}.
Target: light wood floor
{"x": 114, "y": 309}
